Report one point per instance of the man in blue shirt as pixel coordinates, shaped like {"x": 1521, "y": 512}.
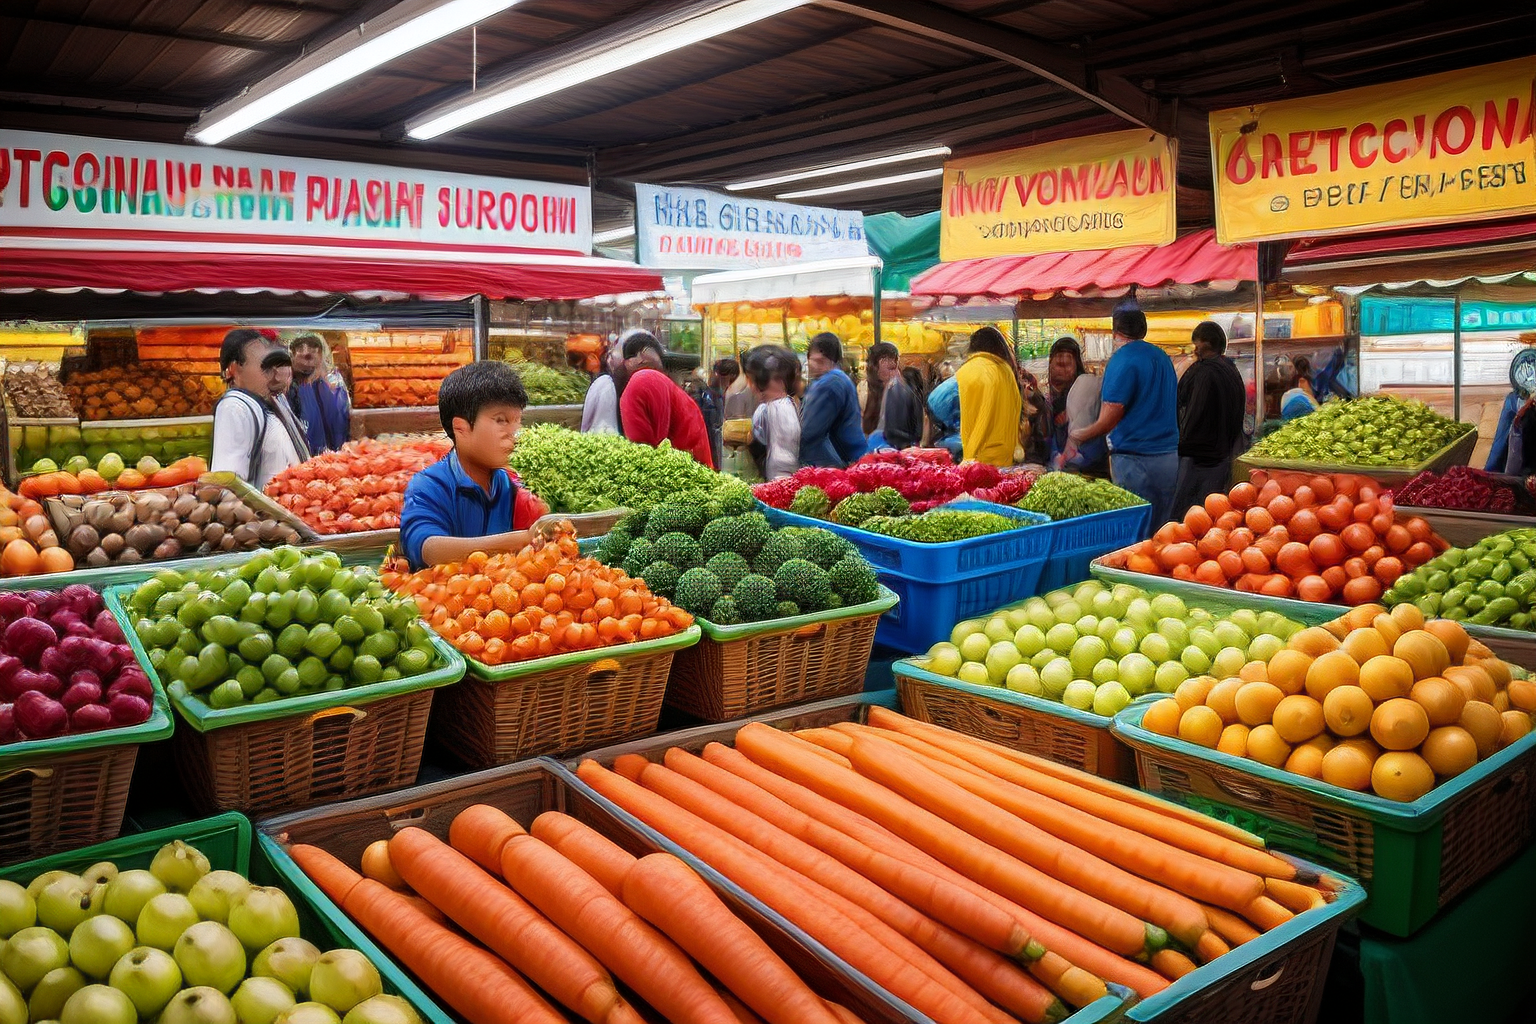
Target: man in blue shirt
{"x": 1139, "y": 412}
{"x": 469, "y": 501}
{"x": 831, "y": 433}
{"x": 319, "y": 405}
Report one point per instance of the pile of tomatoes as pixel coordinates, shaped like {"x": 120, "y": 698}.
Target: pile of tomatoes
{"x": 1317, "y": 538}
{"x": 535, "y": 603}
{"x": 358, "y": 487}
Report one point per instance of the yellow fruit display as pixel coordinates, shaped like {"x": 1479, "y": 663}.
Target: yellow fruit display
{"x": 1400, "y": 775}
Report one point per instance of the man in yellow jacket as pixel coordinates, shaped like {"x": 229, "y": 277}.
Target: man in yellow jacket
{"x": 989, "y": 399}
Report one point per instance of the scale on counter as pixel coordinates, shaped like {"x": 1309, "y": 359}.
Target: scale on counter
{"x": 1522, "y": 372}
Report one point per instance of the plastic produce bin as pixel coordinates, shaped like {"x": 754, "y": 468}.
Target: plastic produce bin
{"x": 1080, "y": 540}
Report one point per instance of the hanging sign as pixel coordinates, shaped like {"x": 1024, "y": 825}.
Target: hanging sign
{"x": 1449, "y": 147}
{"x": 193, "y": 198}
{"x": 695, "y": 229}
{"x": 1097, "y": 192}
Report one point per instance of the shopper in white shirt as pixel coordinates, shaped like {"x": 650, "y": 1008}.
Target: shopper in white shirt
{"x": 600, "y": 411}
{"x": 250, "y": 437}
{"x": 773, "y": 374}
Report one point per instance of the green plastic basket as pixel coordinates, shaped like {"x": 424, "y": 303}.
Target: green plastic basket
{"x": 1454, "y": 454}
{"x": 1411, "y": 857}
{"x": 226, "y": 840}
{"x": 201, "y": 717}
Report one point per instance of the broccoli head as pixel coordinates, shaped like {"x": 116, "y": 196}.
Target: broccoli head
{"x": 641, "y": 553}
{"x": 633, "y": 523}
{"x": 661, "y": 577}
{"x": 615, "y": 546}
{"x": 854, "y": 581}
{"x": 675, "y": 517}
{"x": 802, "y": 581}
{"x": 736, "y": 500}
{"x": 786, "y": 610}
{"x": 697, "y": 591}
{"x": 679, "y": 549}
{"x": 725, "y": 612}
{"x": 811, "y": 501}
{"x": 854, "y": 509}
{"x": 743, "y": 534}
{"x": 729, "y": 568}
{"x": 826, "y": 548}
{"x": 756, "y": 597}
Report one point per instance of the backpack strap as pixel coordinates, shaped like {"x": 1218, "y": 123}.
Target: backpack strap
{"x": 260, "y": 414}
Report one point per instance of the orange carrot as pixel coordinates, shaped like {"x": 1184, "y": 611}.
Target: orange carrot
{"x": 583, "y": 846}
{"x": 1293, "y": 896}
{"x": 422, "y": 905}
{"x": 640, "y": 956}
{"x": 630, "y": 765}
{"x": 843, "y": 1014}
{"x": 831, "y": 739}
{"x": 1113, "y": 928}
{"x": 480, "y": 831}
{"x": 442, "y": 959}
{"x": 892, "y": 767}
{"x": 1083, "y": 952}
{"x": 670, "y": 895}
{"x": 1233, "y": 930}
{"x": 1266, "y": 914}
{"x": 981, "y": 968}
{"x": 1172, "y": 964}
{"x": 1133, "y": 814}
{"x": 485, "y": 908}
{"x": 1210, "y": 947}
{"x": 816, "y": 912}
{"x": 742, "y": 1011}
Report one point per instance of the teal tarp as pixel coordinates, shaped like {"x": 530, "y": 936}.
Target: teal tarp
{"x": 907, "y": 245}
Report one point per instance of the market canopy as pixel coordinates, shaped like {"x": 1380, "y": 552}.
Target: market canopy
{"x": 853, "y": 276}
{"x": 1438, "y": 257}
{"x": 906, "y": 245}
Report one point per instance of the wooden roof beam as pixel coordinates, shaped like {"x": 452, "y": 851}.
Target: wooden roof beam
{"x": 183, "y": 35}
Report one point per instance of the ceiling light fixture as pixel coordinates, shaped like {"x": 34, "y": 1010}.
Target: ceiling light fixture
{"x": 823, "y": 172}
{"x": 598, "y": 58}
{"x": 405, "y": 27}
{"x": 614, "y": 235}
{"x": 856, "y": 186}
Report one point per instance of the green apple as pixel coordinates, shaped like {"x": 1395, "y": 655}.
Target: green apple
{"x": 1087, "y": 652}
{"x": 1124, "y": 594}
{"x": 68, "y": 902}
{"x": 382, "y": 1010}
{"x": 215, "y": 892}
{"x": 200, "y": 1005}
{"x": 208, "y": 953}
{"x": 163, "y": 919}
{"x": 1042, "y": 616}
{"x": 1231, "y": 634}
{"x": 1229, "y": 662}
{"x": 1061, "y": 637}
{"x": 128, "y": 892}
{"x": 32, "y": 953}
{"x": 1139, "y": 613}
{"x": 1176, "y": 633}
{"x": 12, "y": 1006}
{"x": 102, "y": 872}
{"x": 98, "y": 1004}
{"x": 965, "y": 629}
{"x": 1196, "y": 660}
{"x": 1069, "y": 611}
{"x": 1199, "y": 617}
{"x": 1273, "y": 622}
{"x": 308, "y": 1013}
{"x": 1024, "y": 679}
{"x": 1017, "y": 616}
{"x": 1123, "y": 642}
{"x": 1000, "y": 660}
{"x": 1088, "y": 625}
{"x": 17, "y": 909}
{"x": 37, "y": 885}
{"x": 1136, "y": 673}
{"x": 289, "y": 961}
{"x": 1106, "y": 671}
{"x": 1264, "y": 647}
{"x": 975, "y": 673}
{"x": 1043, "y": 657}
{"x": 1206, "y": 640}
{"x": 342, "y": 978}
{"x": 1169, "y": 675}
{"x": 1055, "y": 676}
{"x": 149, "y": 977}
{"x": 1169, "y": 606}
{"x": 259, "y": 1000}
{"x": 975, "y": 647}
{"x": 1109, "y": 698}
{"x": 998, "y": 629}
{"x": 944, "y": 659}
{"x": 1079, "y": 694}
{"x": 1057, "y": 598}
{"x": 1029, "y": 640}
{"x": 1103, "y": 604}
{"x": 97, "y": 943}
{"x": 54, "y": 989}
{"x": 178, "y": 866}
{"x": 1156, "y": 647}
{"x": 1086, "y": 591}
{"x": 1108, "y": 627}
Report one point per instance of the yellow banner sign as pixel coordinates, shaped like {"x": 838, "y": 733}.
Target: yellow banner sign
{"x": 1449, "y": 147}
{"x": 1099, "y": 192}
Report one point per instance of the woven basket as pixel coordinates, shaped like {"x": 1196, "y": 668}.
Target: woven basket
{"x": 1285, "y": 986}
{"x": 285, "y": 764}
{"x": 64, "y": 801}
{"x": 579, "y": 701}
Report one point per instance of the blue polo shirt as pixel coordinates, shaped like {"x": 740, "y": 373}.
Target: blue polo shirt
{"x": 1140, "y": 377}
{"x": 442, "y": 501}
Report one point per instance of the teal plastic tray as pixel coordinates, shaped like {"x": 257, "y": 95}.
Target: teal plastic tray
{"x": 200, "y": 716}
{"x": 226, "y": 840}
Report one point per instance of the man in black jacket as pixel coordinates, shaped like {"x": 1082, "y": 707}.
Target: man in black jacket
{"x": 1212, "y": 400}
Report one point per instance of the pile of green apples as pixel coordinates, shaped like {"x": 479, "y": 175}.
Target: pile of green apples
{"x": 1094, "y": 647}
{"x": 178, "y": 944}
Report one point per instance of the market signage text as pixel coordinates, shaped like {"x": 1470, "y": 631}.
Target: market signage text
{"x": 1450, "y": 147}
{"x": 1098, "y": 192}
{"x": 694, "y": 229}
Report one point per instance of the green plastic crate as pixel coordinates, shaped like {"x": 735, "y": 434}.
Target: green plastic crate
{"x": 1455, "y": 453}
{"x": 226, "y": 840}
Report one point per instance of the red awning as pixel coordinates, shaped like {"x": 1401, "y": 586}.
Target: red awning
{"x": 1447, "y": 253}
{"x": 533, "y": 276}
{"x": 1195, "y": 259}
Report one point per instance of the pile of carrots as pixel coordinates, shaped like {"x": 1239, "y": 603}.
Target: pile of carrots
{"x": 559, "y": 916}
{"x": 975, "y": 882}
{"x": 535, "y": 603}
{"x": 1317, "y": 538}
{"x": 358, "y": 487}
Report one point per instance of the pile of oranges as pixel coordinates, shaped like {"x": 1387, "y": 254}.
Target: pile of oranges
{"x": 358, "y": 487}
{"x": 1374, "y": 700}
{"x": 1317, "y": 538}
{"x": 28, "y": 544}
{"x": 533, "y": 604}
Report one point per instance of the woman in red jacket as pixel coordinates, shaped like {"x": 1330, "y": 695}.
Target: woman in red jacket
{"x": 653, "y": 409}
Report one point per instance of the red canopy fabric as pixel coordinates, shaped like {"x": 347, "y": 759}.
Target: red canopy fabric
{"x": 1194, "y": 259}
{"x": 1422, "y": 240}
{"x": 512, "y": 277}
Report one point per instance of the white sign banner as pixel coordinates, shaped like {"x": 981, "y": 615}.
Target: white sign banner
{"x": 695, "y": 229}
{"x": 82, "y": 191}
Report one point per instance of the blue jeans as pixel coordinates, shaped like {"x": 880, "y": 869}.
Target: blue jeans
{"x": 1153, "y": 477}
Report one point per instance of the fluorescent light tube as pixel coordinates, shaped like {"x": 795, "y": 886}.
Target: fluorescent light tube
{"x": 855, "y": 186}
{"x": 402, "y": 29}
{"x": 616, "y": 234}
{"x": 515, "y": 91}
{"x": 823, "y": 172}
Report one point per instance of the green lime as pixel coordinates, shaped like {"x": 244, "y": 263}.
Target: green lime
{"x": 251, "y": 681}
{"x": 382, "y": 646}
{"x": 333, "y": 683}
{"x": 367, "y": 616}
{"x": 157, "y": 661}
{"x": 333, "y": 605}
{"x": 323, "y": 641}
{"x": 164, "y": 633}
{"x": 287, "y": 681}
{"x": 188, "y": 641}
{"x": 234, "y": 596}
{"x": 280, "y": 609}
{"x": 212, "y": 665}
{"x": 347, "y": 582}
{"x": 256, "y": 647}
{"x": 274, "y": 666}
{"x": 145, "y": 597}
{"x": 402, "y": 614}
{"x": 266, "y": 696}
{"x": 413, "y": 661}
{"x": 185, "y": 672}
{"x": 255, "y": 610}
{"x": 349, "y": 630}
{"x": 306, "y": 607}
{"x": 290, "y": 642}
{"x": 366, "y": 669}
{"x": 390, "y": 675}
{"x": 266, "y": 582}
{"x": 312, "y": 672}
{"x": 227, "y": 694}
{"x": 258, "y": 564}
{"x": 341, "y": 658}
{"x": 222, "y": 630}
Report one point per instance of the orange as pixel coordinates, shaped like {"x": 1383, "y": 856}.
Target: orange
{"x": 1314, "y": 640}
{"x": 1254, "y": 703}
{"x": 1399, "y": 724}
{"x": 1386, "y": 677}
{"x": 1449, "y": 750}
{"x": 1424, "y": 652}
{"x": 1201, "y": 725}
{"x": 1402, "y": 776}
{"x": 1347, "y": 710}
{"x": 1266, "y": 747}
{"x": 1335, "y": 668}
{"x": 1388, "y": 628}
{"x": 1288, "y": 670}
{"x": 1441, "y": 699}
{"x": 1473, "y": 681}
{"x": 1192, "y": 692}
{"x": 1501, "y": 701}
{"x": 54, "y": 560}
{"x": 1522, "y": 692}
{"x": 1496, "y": 669}
{"x": 1307, "y": 759}
{"x": 1348, "y": 765}
{"x": 1365, "y": 644}
{"x": 1222, "y": 699}
{"x": 1483, "y": 722}
{"x": 1298, "y": 718}
{"x": 1234, "y": 740}
{"x": 1254, "y": 672}
{"x": 1161, "y": 718}
{"x": 1452, "y": 635}
{"x": 1516, "y": 725}
{"x": 19, "y": 558}
{"x": 1407, "y": 617}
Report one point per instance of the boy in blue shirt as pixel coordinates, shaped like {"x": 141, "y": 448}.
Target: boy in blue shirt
{"x": 469, "y": 501}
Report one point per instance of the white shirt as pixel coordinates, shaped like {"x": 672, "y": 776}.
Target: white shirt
{"x": 237, "y": 419}
{"x": 1083, "y": 402}
{"x": 777, "y": 425}
{"x": 600, "y": 411}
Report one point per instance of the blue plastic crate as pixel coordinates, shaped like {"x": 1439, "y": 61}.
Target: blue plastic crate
{"x": 941, "y": 563}
{"x": 1079, "y": 541}
{"x": 927, "y": 612}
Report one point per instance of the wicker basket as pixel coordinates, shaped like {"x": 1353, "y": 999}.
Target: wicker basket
{"x": 741, "y": 670}
{"x": 1283, "y": 986}
{"x": 64, "y": 801}
{"x": 504, "y": 713}
{"x": 1058, "y": 732}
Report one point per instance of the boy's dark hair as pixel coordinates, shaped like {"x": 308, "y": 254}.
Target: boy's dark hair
{"x": 1130, "y": 323}
{"x": 1210, "y": 332}
{"x": 827, "y": 344}
{"x": 467, "y": 390}
{"x": 727, "y": 367}
{"x": 766, "y": 363}
{"x": 990, "y": 340}
{"x": 1303, "y": 367}
{"x": 232, "y": 350}
{"x": 637, "y": 341}
{"x": 882, "y": 350}
{"x": 307, "y": 341}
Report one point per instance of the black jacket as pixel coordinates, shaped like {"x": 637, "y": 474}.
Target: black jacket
{"x": 903, "y": 415}
{"x": 1212, "y": 401}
